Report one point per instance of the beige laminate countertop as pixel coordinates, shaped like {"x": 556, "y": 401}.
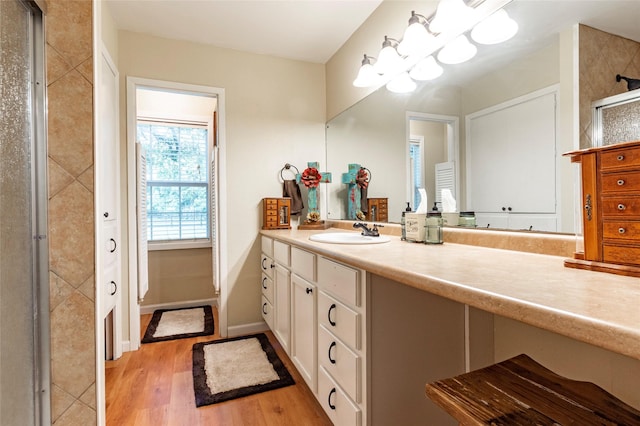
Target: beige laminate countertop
{"x": 594, "y": 307}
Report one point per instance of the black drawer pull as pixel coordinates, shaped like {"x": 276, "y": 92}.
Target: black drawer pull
{"x": 115, "y": 288}
{"x": 333, "y": 407}
{"x": 264, "y": 308}
{"x": 332, "y": 307}
{"x": 620, "y": 182}
{"x": 115, "y": 245}
{"x": 331, "y": 346}
{"x": 264, "y": 285}
{"x": 621, "y": 207}
{"x": 264, "y": 268}
{"x": 621, "y": 231}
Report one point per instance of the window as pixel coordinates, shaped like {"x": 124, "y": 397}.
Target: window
{"x": 177, "y": 180}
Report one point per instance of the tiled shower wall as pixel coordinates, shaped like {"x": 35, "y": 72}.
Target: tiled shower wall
{"x": 602, "y": 56}
{"x": 71, "y": 218}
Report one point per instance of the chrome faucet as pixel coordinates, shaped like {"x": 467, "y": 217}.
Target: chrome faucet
{"x": 366, "y": 231}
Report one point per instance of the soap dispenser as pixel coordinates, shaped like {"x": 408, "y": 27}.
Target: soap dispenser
{"x": 402, "y": 222}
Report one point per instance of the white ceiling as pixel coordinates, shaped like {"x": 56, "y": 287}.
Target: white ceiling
{"x": 313, "y": 30}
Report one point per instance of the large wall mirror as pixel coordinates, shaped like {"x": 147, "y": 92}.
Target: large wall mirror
{"x": 378, "y": 132}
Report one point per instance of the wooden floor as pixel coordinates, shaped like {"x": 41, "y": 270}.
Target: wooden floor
{"x": 154, "y": 386}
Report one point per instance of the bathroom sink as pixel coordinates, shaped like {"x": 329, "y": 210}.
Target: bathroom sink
{"x": 348, "y": 238}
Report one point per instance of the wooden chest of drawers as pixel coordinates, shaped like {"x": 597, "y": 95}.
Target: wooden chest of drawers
{"x": 276, "y": 213}
{"x": 378, "y": 211}
{"x": 611, "y": 208}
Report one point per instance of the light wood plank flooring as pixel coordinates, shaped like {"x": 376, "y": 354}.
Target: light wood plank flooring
{"x": 154, "y": 386}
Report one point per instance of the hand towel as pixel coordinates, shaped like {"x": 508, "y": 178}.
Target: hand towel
{"x": 292, "y": 190}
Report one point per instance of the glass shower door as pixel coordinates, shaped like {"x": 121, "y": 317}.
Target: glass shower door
{"x": 24, "y": 334}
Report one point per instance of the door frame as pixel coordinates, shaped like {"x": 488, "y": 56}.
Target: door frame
{"x": 220, "y": 257}
{"x": 453, "y": 143}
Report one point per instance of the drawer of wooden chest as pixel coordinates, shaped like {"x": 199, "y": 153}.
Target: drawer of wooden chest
{"x": 621, "y": 230}
{"x": 627, "y": 255}
{"x": 621, "y": 182}
{"x": 620, "y": 158}
{"x": 627, "y": 207}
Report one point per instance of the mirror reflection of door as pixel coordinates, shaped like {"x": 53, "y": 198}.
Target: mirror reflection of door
{"x": 431, "y": 143}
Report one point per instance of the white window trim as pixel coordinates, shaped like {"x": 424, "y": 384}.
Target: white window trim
{"x": 178, "y": 244}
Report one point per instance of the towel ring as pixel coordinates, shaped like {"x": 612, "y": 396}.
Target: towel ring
{"x": 288, "y": 166}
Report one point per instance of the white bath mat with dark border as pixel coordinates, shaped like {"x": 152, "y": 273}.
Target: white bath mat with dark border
{"x": 236, "y": 367}
{"x": 170, "y": 324}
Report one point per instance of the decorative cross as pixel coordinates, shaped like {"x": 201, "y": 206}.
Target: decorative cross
{"x": 354, "y": 194}
{"x": 312, "y": 178}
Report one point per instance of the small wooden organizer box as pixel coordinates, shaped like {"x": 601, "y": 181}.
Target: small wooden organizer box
{"x": 610, "y": 209}
{"x": 276, "y": 213}
{"x": 377, "y": 210}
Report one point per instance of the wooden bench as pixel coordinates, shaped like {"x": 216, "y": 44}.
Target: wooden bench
{"x": 519, "y": 391}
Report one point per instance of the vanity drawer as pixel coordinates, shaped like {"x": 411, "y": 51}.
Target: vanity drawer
{"x": 340, "y": 409}
{"x": 267, "y": 245}
{"x": 267, "y": 312}
{"x": 267, "y": 287}
{"x": 339, "y": 280}
{"x": 342, "y": 363}
{"x": 303, "y": 263}
{"x": 282, "y": 253}
{"x": 339, "y": 319}
{"x": 627, "y": 207}
{"x": 621, "y": 182}
{"x": 621, "y": 254}
{"x": 621, "y": 230}
{"x": 267, "y": 265}
{"x": 620, "y": 158}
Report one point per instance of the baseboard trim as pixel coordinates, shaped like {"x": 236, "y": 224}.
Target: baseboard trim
{"x": 241, "y": 330}
{"x": 148, "y": 309}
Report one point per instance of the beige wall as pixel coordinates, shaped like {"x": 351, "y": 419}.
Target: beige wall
{"x": 179, "y": 276}
{"x": 275, "y": 114}
{"x": 390, "y": 18}
{"x": 602, "y": 56}
{"x": 71, "y": 219}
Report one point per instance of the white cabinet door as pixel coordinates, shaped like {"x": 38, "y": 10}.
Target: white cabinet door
{"x": 282, "y": 320}
{"x": 511, "y": 156}
{"x": 304, "y": 329}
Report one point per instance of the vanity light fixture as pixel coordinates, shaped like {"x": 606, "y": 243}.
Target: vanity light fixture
{"x": 401, "y": 83}
{"x": 417, "y": 39}
{"x": 497, "y": 28}
{"x": 457, "y": 51}
{"x": 388, "y": 59}
{"x": 451, "y": 15}
{"x": 426, "y": 69}
{"x": 401, "y": 63}
{"x": 367, "y": 76}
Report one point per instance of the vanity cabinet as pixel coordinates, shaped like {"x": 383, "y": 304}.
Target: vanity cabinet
{"x": 342, "y": 342}
{"x": 303, "y": 315}
{"x": 610, "y": 199}
{"x": 276, "y": 289}
{"x": 267, "y": 266}
{"x": 316, "y": 309}
{"x": 304, "y": 330}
